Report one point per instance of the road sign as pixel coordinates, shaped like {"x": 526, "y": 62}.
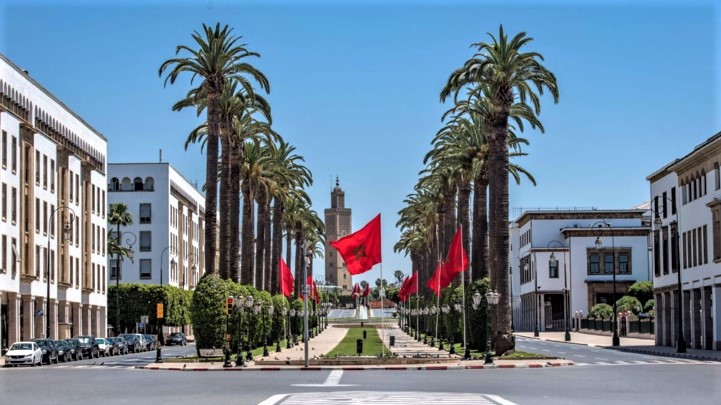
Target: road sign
{"x": 160, "y": 310}
{"x": 144, "y": 319}
{"x": 140, "y": 325}
{"x": 39, "y": 312}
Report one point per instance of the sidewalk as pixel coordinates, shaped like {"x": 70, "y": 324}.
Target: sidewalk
{"x": 320, "y": 344}
{"x": 633, "y": 345}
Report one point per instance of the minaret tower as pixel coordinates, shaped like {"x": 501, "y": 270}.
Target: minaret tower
{"x": 337, "y": 225}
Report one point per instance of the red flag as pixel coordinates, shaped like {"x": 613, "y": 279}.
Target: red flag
{"x": 362, "y": 249}
{"x": 315, "y": 293}
{"x": 402, "y": 292}
{"x": 286, "y": 279}
{"x": 367, "y": 290}
{"x": 356, "y": 289}
{"x": 412, "y": 284}
{"x": 435, "y": 283}
{"x": 456, "y": 261}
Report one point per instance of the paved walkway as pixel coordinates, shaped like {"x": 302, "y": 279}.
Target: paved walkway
{"x": 644, "y": 346}
{"x": 406, "y": 346}
{"x": 320, "y": 344}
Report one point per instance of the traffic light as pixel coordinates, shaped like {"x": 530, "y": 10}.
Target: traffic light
{"x": 228, "y": 305}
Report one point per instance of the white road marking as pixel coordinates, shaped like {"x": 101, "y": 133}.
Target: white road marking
{"x": 385, "y": 398}
{"x": 333, "y": 380}
{"x": 274, "y": 399}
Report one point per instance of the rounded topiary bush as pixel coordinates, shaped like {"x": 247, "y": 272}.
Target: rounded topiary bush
{"x": 208, "y": 312}
{"x": 604, "y": 311}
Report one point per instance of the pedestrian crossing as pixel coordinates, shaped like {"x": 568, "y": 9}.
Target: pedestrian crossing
{"x": 642, "y": 362}
{"x": 385, "y": 398}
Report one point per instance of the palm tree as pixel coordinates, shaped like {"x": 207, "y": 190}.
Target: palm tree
{"x": 507, "y": 75}
{"x": 119, "y": 216}
{"x": 218, "y": 60}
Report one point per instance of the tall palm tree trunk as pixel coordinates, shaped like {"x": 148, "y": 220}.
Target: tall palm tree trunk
{"x": 225, "y": 245}
{"x": 267, "y": 245}
{"x": 234, "y": 213}
{"x": 277, "y": 244}
{"x": 479, "y": 247}
{"x": 298, "y": 260}
{"x": 464, "y": 194}
{"x": 289, "y": 253}
{"x": 260, "y": 240}
{"x": 248, "y": 275}
{"x": 498, "y": 228}
{"x": 211, "y": 182}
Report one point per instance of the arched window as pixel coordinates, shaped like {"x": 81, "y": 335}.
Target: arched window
{"x": 683, "y": 192}
{"x": 126, "y": 185}
{"x": 717, "y": 176}
{"x": 703, "y": 190}
{"x": 114, "y": 184}
{"x": 149, "y": 184}
{"x": 138, "y": 183}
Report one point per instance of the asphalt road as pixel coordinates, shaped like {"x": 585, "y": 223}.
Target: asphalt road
{"x": 112, "y": 381}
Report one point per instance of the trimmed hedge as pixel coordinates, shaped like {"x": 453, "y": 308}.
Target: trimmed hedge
{"x": 208, "y": 312}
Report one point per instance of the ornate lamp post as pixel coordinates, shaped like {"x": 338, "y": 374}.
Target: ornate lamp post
{"x": 119, "y": 259}
{"x": 256, "y": 308}
{"x": 491, "y": 298}
{"x": 240, "y": 302}
{"x": 615, "y": 341}
{"x": 414, "y": 313}
{"x": 458, "y": 307}
{"x": 283, "y": 313}
{"x": 67, "y": 235}
{"x": 553, "y": 263}
{"x": 267, "y": 312}
{"x": 291, "y": 315}
{"x": 445, "y": 309}
{"x": 173, "y": 253}
{"x": 433, "y": 311}
{"x": 425, "y": 325}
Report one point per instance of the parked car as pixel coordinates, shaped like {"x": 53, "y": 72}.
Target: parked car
{"x": 120, "y": 345}
{"x": 75, "y": 349}
{"x": 111, "y": 349}
{"x": 88, "y": 345}
{"x": 136, "y": 342}
{"x": 24, "y": 353}
{"x": 63, "y": 351}
{"x": 104, "y": 347}
{"x": 50, "y": 352}
{"x": 151, "y": 342}
{"x": 176, "y": 338}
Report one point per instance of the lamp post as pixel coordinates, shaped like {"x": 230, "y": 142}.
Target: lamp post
{"x": 255, "y": 308}
{"x": 67, "y": 235}
{"x": 119, "y": 259}
{"x": 193, "y": 267}
{"x": 615, "y": 341}
{"x": 553, "y": 263}
{"x": 458, "y": 307}
{"x": 680, "y": 341}
{"x": 267, "y": 312}
{"x": 283, "y": 313}
{"x": 445, "y": 309}
{"x": 433, "y": 311}
{"x": 240, "y": 302}
{"x": 306, "y": 263}
{"x": 491, "y": 298}
{"x": 291, "y": 316}
{"x": 425, "y": 325}
{"x": 173, "y": 253}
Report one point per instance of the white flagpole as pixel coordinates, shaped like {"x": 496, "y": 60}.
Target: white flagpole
{"x": 463, "y": 289}
{"x": 438, "y": 300}
{"x": 382, "y": 295}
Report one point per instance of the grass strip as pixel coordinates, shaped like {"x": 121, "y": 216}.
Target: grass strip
{"x": 372, "y": 344}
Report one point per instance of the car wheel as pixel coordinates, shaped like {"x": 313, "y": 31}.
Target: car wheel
{"x": 57, "y": 359}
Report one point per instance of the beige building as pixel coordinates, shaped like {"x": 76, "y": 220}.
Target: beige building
{"x": 53, "y": 218}
{"x": 337, "y": 225}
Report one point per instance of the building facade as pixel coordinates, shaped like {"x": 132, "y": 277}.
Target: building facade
{"x": 563, "y": 261}
{"x": 167, "y": 233}
{"x": 686, "y": 202}
{"x": 337, "y": 224}
{"x": 53, "y": 215}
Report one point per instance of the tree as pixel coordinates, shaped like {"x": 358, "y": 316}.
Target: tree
{"x": 504, "y": 73}
{"x": 363, "y": 285}
{"x": 218, "y": 59}
{"x": 643, "y": 290}
{"x": 118, "y": 216}
{"x": 399, "y": 277}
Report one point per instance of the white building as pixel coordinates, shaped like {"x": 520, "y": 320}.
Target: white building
{"x": 53, "y": 178}
{"x": 167, "y": 232}
{"x": 546, "y": 292}
{"x": 686, "y": 198}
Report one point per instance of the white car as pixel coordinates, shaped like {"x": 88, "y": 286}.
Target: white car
{"x": 104, "y": 346}
{"x": 24, "y": 353}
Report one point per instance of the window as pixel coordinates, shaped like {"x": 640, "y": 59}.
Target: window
{"x": 37, "y": 215}
{"x": 593, "y": 263}
{"x": 717, "y": 176}
{"x": 664, "y": 241}
{"x": 4, "y": 257}
{"x": 114, "y": 270}
{"x": 138, "y": 184}
{"x": 656, "y": 255}
{"x": 673, "y": 200}
{"x": 145, "y": 269}
{"x": 624, "y": 263}
{"x": 5, "y": 201}
{"x": 149, "y": 184}
{"x": 37, "y": 167}
{"x": 14, "y": 155}
{"x": 52, "y": 223}
{"x": 77, "y": 189}
{"x": 45, "y": 217}
{"x": 70, "y": 189}
{"x": 103, "y": 203}
{"x": 15, "y": 256}
{"x": 37, "y": 261}
{"x": 114, "y": 184}
{"x": 705, "y": 244}
{"x": 145, "y": 241}
{"x": 5, "y": 149}
{"x": 608, "y": 263}
{"x": 674, "y": 248}
{"x": 14, "y": 205}
{"x": 553, "y": 269}
{"x": 52, "y": 175}
{"x": 665, "y": 205}
{"x": 45, "y": 171}
{"x": 144, "y": 213}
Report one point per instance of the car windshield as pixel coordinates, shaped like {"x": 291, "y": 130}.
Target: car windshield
{"x": 84, "y": 339}
{"x": 21, "y": 346}
{"x": 71, "y": 343}
{"x": 41, "y": 343}
{"x": 99, "y": 340}
{"x": 176, "y": 334}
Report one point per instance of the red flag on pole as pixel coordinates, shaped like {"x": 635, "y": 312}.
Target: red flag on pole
{"x": 361, "y": 250}
{"x": 367, "y": 291}
{"x": 456, "y": 260}
{"x": 435, "y": 283}
{"x": 412, "y": 284}
{"x": 315, "y": 293}
{"x": 286, "y": 279}
{"x": 402, "y": 292}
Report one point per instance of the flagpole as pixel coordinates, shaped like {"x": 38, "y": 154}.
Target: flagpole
{"x": 382, "y": 294}
{"x": 467, "y": 354}
{"x": 438, "y": 302}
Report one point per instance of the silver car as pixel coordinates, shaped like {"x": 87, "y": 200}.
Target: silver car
{"x": 28, "y": 353}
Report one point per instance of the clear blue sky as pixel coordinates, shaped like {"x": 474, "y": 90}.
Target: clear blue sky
{"x": 354, "y": 86}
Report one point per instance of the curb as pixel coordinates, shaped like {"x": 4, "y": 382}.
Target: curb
{"x": 663, "y": 354}
{"x": 390, "y": 368}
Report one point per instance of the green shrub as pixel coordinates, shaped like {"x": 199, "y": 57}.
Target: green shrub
{"x": 648, "y": 306}
{"x": 628, "y": 303}
{"x": 208, "y": 312}
{"x": 604, "y": 311}
{"x": 643, "y": 290}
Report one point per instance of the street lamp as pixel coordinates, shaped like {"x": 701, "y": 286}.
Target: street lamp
{"x": 240, "y": 301}
{"x": 425, "y": 325}
{"x": 680, "y": 341}
{"x": 173, "y": 253}
{"x": 458, "y": 307}
{"x": 256, "y": 310}
{"x": 67, "y": 235}
{"x": 291, "y": 315}
{"x": 283, "y": 314}
{"x": 119, "y": 259}
{"x": 433, "y": 311}
{"x": 445, "y": 309}
{"x": 306, "y": 263}
{"x": 267, "y": 311}
{"x": 193, "y": 267}
{"x": 615, "y": 341}
{"x": 491, "y": 298}
{"x": 553, "y": 263}
{"x": 249, "y": 300}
